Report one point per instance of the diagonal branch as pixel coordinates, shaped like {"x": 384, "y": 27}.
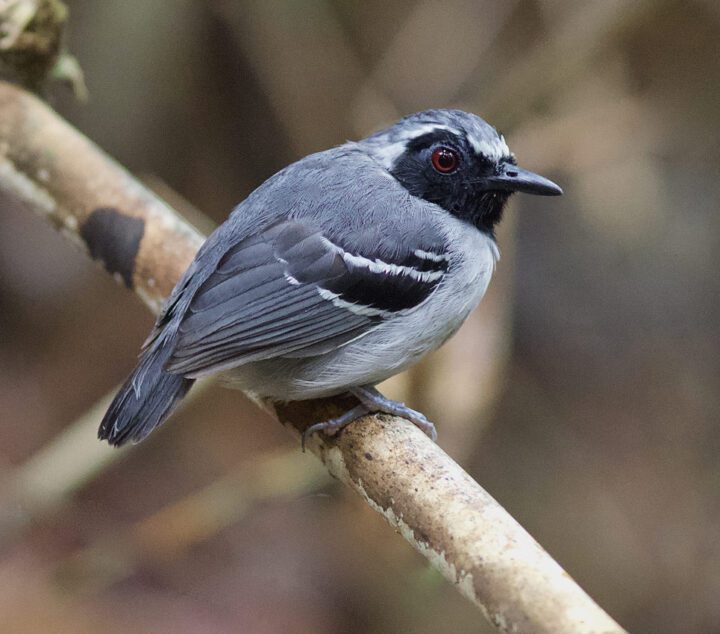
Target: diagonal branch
{"x": 397, "y": 470}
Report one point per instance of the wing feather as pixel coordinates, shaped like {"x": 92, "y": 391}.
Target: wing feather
{"x": 289, "y": 290}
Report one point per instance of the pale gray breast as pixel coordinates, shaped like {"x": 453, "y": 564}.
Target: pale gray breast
{"x": 398, "y": 343}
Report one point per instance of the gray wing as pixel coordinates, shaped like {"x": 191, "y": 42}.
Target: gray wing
{"x": 292, "y": 291}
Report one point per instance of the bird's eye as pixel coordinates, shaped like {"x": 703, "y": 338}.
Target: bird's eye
{"x": 445, "y": 160}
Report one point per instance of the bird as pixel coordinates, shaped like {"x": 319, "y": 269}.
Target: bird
{"x": 338, "y": 272}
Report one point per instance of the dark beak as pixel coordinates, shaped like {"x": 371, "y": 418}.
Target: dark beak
{"x": 515, "y": 179}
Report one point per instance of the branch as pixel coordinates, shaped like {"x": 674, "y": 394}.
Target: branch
{"x": 395, "y": 468}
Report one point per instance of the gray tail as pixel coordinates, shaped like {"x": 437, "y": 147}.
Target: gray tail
{"x": 146, "y": 399}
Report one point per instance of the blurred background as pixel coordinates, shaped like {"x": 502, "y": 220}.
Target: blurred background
{"x": 584, "y": 394}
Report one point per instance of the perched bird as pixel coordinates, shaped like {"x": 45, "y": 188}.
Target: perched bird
{"x": 338, "y": 272}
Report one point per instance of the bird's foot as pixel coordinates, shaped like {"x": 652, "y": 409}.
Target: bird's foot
{"x": 376, "y": 402}
{"x": 371, "y": 401}
{"x": 334, "y": 424}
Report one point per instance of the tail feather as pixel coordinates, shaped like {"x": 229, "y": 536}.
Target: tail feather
{"x": 147, "y": 398}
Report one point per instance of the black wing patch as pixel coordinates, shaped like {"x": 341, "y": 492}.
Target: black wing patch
{"x": 291, "y": 291}
{"x": 388, "y": 282}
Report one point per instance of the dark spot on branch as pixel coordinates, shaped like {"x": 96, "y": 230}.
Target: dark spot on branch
{"x": 114, "y": 239}
{"x": 368, "y": 456}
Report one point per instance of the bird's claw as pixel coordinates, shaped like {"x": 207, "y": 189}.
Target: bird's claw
{"x": 333, "y": 425}
{"x": 371, "y": 401}
{"x": 376, "y": 402}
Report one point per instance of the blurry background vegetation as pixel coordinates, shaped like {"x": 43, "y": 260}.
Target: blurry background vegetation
{"x": 584, "y": 393}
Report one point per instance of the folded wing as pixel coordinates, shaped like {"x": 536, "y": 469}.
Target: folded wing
{"x": 292, "y": 291}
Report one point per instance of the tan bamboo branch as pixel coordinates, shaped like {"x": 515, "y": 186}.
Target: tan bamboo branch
{"x": 399, "y": 472}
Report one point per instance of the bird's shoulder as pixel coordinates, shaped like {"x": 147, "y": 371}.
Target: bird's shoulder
{"x": 345, "y": 198}
{"x": 347, "y": 195}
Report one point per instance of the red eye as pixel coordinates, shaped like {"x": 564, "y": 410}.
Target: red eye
{"x": 445, "y": 160}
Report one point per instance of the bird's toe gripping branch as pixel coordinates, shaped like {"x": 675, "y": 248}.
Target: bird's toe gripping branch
{"x": 371, "y": 401}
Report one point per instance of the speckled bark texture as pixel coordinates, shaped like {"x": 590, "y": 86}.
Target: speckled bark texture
{"x": 455, "y": 523}
{"x": 397, "y": 470}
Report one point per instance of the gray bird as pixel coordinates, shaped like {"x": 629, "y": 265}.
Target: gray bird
{"x": 338, "y": 272}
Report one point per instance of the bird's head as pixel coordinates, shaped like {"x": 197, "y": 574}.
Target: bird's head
{"x": 457, "y": 161}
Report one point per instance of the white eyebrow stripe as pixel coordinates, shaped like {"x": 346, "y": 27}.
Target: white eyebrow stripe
{"x": 495, "y": 149}
{"x": 389, "y": 154}
{"x": 385, "y": 268}
{"x": 393, "y": 151}
{"x": 413, "y": 133}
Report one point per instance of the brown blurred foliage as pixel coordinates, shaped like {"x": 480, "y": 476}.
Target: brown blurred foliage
{"x": 584, "y": 394}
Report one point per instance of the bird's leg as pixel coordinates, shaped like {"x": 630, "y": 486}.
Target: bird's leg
{"x": 335, "y": 424}
{"x": 376, "y": 402}
{"x": 371, "y": 401}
